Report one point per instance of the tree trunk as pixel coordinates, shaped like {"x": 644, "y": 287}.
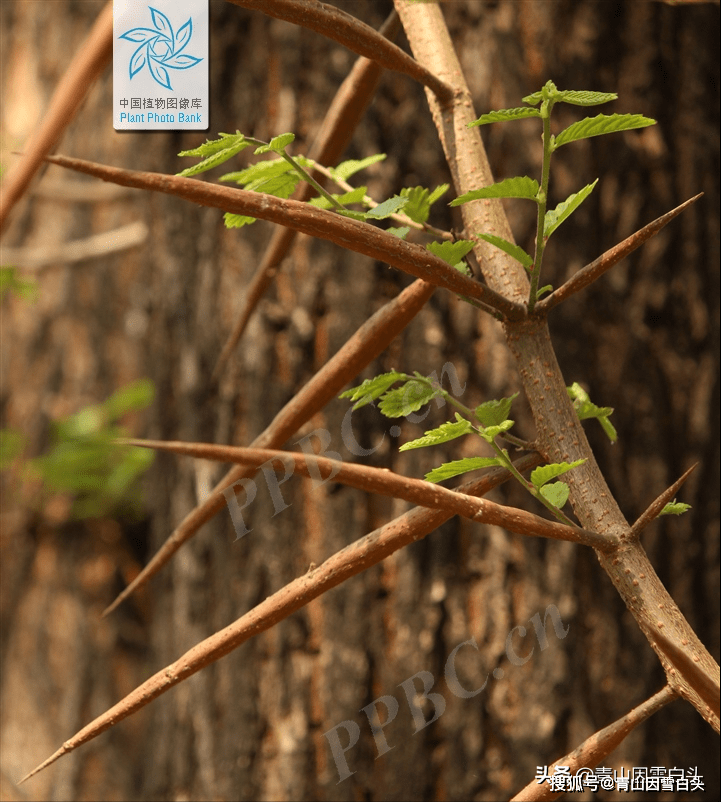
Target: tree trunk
{"x": 258, "y": 724}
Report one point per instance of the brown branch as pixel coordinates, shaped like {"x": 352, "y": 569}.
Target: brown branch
{"x": 559, "y": 434}
{"x": 588, "y": 274}
{"x": 653, "y": 509}
{"x": 594, "y": 749}
{"x": 349, "y": 561}
{"x": 351, "y": 33}
{"x": 386, "y": 483}
{"x": 364, "y": 346}
{"x": 351, "y": 234}
{"x": 89, "y": 61}
{"x": 344, "y": 114}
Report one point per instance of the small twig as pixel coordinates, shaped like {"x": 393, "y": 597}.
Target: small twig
{"x": 90, "y": 60}
{"x": 351, "y": 234}
{"x": 588, "y": 274}
{"x": 351, "y": 33}
{"x": 344, "y": 113}
{"x": 361, "y": 348}
{"x": 119, "y": 239}
{"x": 653, "y": 509}
{"x": 596, "y": 748}
{"x": 386, "y": 483}
{"x": 349, "y": 561}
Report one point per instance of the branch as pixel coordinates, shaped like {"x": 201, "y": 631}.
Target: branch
{"x": 353, "y": 559}
{"x": 594, "y": 749}
{"x": 341, "y": 119}
{"x": 386, "y": 483}
{"x": 365, "y": 345}
{"x": 351, "y": 234}
{"x": 588, "y": 274}
{"x": 335, "y": 24}
{"x": 89, "y": 61}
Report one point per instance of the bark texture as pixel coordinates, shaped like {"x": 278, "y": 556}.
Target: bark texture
{"x": 644, "y": 340}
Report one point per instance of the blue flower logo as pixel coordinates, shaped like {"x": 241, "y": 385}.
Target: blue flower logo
{"x": 161, "y": 48}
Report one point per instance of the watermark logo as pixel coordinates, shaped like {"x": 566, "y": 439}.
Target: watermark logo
{"x": 160, "y": 65}
{"x": 161, "y": 48}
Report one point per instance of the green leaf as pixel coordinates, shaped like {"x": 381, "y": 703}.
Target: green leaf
{"x": 237, "y": 220}
{"x": 675, "y": 508}
{"x": 348, "y": 168}
{"x": 534, "y": 99}
{"x": 585, "y": 98}
{"x": 544, "y": 289}
{"x": 131, "y": 398}
{"x": 451, "y": 252}
{"x": 494, "y": 412}
{"x": 565, "y": 209}
{"x": 12, "y": 443}
{"x": 557, "y": 494}
{"x": 387, "y": 208}
{"x": 216, "y": 153}
{"x": 275, "y": 177}
{"x": 491, "y": 432}
{"x": 601, "y": 124}
{"x": 585, "y": 408}
{"x": 503, "y": 115}
{"x": 420, "y": 201}
{"x": 10, "y": 281}
{"x": 508, "y": 247}
{"x": 410, "y": 397}
{"x": 459, "y": 466}
{"x": 276, "y": 145}
{"x": 444, "y": 433}
{"x": 372, "y": 388}
{"x": 519, "y": 187}
{"x": 401, "y": 232}
{"x": 354, "y": 196}
{"x": 545, "y": 473}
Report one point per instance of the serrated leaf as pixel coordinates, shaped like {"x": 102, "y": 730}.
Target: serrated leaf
{"x": 410, "y": 397}
{"x": 371, "y": 388}
{"x": 279, "y": 143}
{"x": 237, "y": 220}
{"x": 533, "y": 99}
{"x": 504, "y": 115}
{"x": 459, "y": 466}
{"x": 519, "y": 187}
{"x": 491, "y": 432}
{"x": 401, "y": 232}
{"x": 601, "y": 124}
{"x": 444, "y": 433}
{"x": 545, "y": 473}
{"x": 451, "y": 252}
{"x": 675, "y": 508}
{"x": 494, "y": 412}
{"x": 348, "y": 168}
{"x": 585, "y": 98}
{"x": 354, "y": 196}
{"x": 360, "y": 216}
{"x": 585, "y": 408}
{"x": 133, "y": 397}
{"x": 387, "y": 208}
{"x": 508, "y": 247}
{"x": 217, "y": 153}
{"x": 557, "y": 494}
{"x": 419, "y": 201}
{"x": 565, "y": 209}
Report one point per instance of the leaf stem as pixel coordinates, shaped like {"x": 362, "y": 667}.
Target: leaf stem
{"x": 542, "y": 200}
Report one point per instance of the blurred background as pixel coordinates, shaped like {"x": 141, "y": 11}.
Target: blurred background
{"x": 143, "y": 327}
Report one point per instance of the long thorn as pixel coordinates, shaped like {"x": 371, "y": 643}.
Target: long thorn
{"x": 588, "y": 274}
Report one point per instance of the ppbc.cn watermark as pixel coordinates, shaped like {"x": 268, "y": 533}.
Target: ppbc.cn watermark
{"x": 323, "y": 439}
{"x": 418, "y": 692}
